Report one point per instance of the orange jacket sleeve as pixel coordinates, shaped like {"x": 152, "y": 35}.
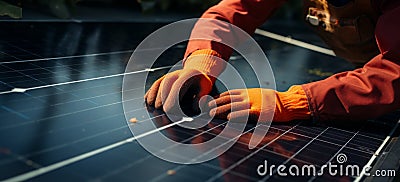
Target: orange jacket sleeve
{"x": 361, "y": 94}
{"x": 246, "y": 14}
{"x": 367, "y": 92}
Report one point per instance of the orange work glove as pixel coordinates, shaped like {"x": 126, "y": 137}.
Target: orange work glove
{"x": 192, "y": 82}
{"x": 236, "y": 104}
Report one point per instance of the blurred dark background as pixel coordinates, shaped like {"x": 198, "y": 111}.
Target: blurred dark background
{"x": 119, "y": 10}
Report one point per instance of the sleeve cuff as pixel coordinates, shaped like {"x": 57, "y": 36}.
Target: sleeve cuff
{"x": 293, "y": 104}
{"x": 207, "y": 61}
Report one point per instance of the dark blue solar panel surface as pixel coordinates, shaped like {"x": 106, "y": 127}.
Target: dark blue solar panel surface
{"x": 72, "y": 106}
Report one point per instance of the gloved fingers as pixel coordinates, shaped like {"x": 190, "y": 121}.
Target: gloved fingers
{"x": 243, "y": 115}
{"x": 151, "y": 94}
{"x": 230, "y": 92}
{"x": 158, "y": 102}
{"x": 227, "y": 99}
{"x": 198, "y": 83}
{"x": 165, "y": 89}
{"x": 179, "y": 88}
{"x": 223, "y": 111}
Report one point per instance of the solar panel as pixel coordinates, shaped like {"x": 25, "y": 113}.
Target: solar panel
{"x": 62, "y": 117}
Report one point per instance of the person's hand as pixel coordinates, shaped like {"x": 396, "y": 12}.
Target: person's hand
{"x": 258, "y": 104}
{"x": 188, "y": 84}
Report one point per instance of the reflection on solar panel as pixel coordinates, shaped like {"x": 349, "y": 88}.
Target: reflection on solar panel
{"x": 61, "y": 112}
